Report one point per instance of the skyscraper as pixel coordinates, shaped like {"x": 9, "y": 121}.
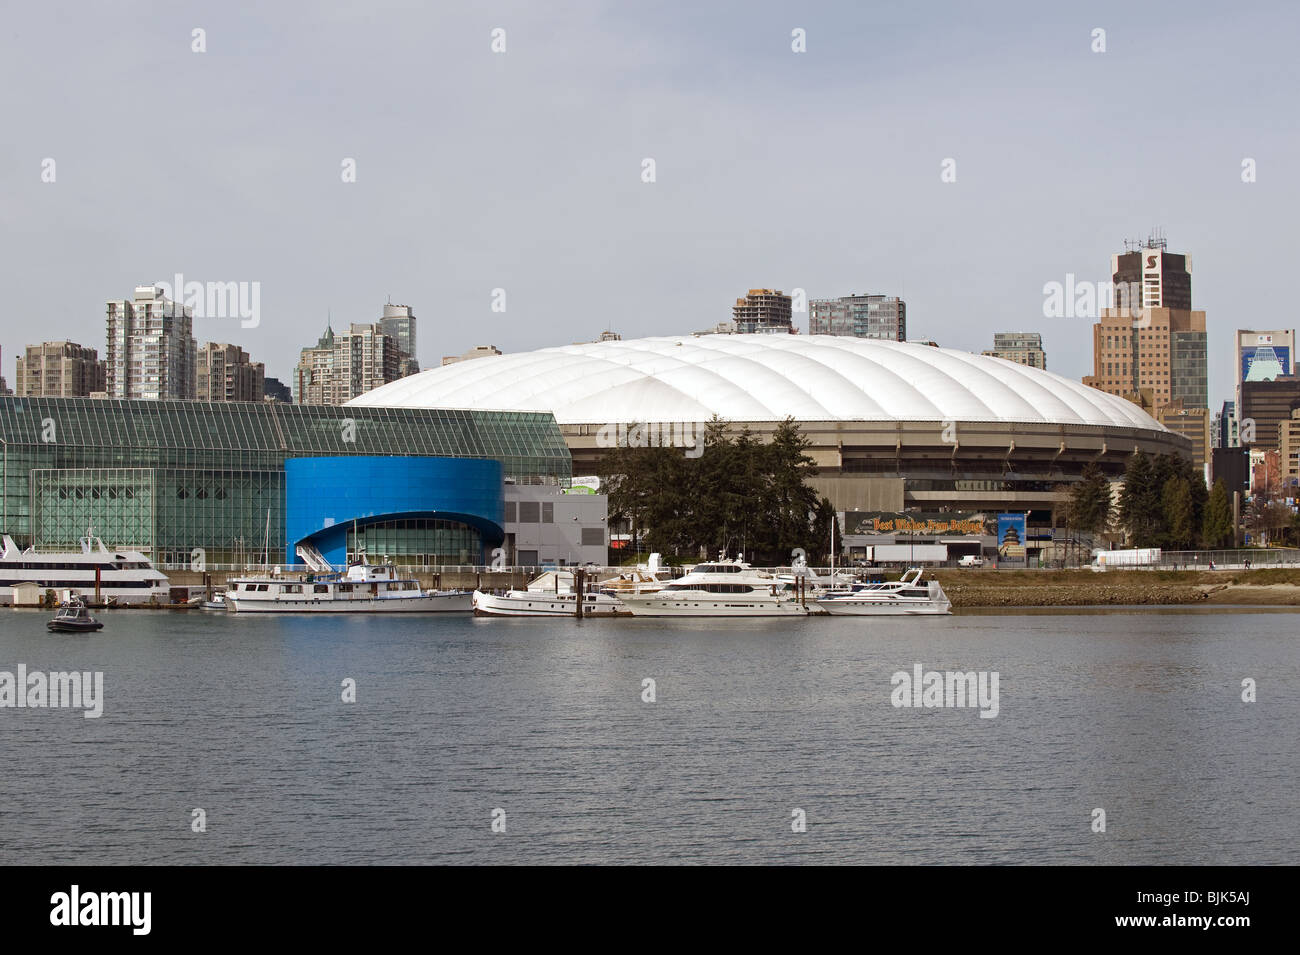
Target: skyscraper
{"x": 398, "y": 323}
{"x": 1149, "y": 275}
{"x": 151, "y": 347}
{"x": 1152, "y": 340}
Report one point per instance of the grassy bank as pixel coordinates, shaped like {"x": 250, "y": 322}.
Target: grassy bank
{"x": 1065, "y": 588}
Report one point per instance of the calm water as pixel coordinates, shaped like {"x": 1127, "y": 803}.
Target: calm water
{"x": 1138, "y": 713}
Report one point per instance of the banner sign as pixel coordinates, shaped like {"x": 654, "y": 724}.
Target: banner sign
{"x": 916, "y": 523}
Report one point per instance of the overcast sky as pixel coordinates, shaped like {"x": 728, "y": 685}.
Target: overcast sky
{"x": 522, "y": 170}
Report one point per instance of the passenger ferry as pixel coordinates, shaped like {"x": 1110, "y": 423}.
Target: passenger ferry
{"x": 723, "y": 588}
{"x": 905, "y": 596}
{"x": 550, "y": 595}
{"x": 124, "y": 576}
{"x": 363, "y": 588}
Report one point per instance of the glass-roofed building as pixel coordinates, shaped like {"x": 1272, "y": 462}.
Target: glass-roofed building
{"x": 186, "y": 481}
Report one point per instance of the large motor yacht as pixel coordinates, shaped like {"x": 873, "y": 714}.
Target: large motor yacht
{"x": 907, "y": 595}
{"x": 721, "y": 588}
{"x": 113, "y": 576}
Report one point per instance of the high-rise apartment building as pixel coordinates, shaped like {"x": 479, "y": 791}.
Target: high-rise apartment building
{"x": 883, "y": 317}
{"x": 1024, "y": 348}
{"x": 151, "y": 347}
{"x": 59, "y": 369}
{"x": 341, "y": 367}
{"x": 223, "y": 372}
{"x": 763, "y": 311}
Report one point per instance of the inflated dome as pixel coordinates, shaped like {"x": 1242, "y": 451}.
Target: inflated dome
{"x": 745, "y": 378}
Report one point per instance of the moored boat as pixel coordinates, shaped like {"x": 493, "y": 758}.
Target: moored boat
{"x": 363, "y": 588}
{"x": 93, "y": 570}
{"x": 549, "y": 595}
{"x": 721, "y": 588}
{"x": 909, "y": 595}
{"x": 218, "y": 602}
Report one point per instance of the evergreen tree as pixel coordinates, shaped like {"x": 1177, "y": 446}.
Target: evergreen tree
{"x": 1176, "y": 504}
{"x": 1140, "y": 510}
{"x": 1217, "y": 525}
{"x": 1090, "y": 507}
{"x": 739, "y": 495}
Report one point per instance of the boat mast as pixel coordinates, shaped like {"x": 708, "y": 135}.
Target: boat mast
{"x": 833, "y": 520}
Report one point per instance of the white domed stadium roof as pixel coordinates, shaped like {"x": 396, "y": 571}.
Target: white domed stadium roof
{"x": 745, "y": 378}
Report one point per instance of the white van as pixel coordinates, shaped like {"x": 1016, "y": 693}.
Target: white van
{"x": 970, "y": 560}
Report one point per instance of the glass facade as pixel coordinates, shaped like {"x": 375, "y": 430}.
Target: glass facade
{"x": 171, "y": 476}
{"x": 1189, "y": 369}
{"x": 425, "y": 542}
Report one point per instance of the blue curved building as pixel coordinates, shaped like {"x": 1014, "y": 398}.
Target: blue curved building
{"x": 428, "y": 510}
{"x": 210, "y": 485}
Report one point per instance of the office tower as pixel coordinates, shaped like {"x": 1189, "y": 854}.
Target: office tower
{"x": 1148, "y": 275}
{"x": 59, "y": 369}
{"x": 763, "y": 311}
{"x": 882, "y": 317}
{"x": 1264, "y": 406}
{"x": 151, "y": 348}
{"x": 1228, "y": 426}
{"x": 398, "y": 323}
{"x": 1191, "y": 423}
{"x": 224, "y": 373}
{"x": 1024, "y": 348}
{"x": 1152, "y": 340}
{"x": 1263, "y": 356}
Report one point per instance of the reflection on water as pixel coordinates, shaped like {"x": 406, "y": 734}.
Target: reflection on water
{"x": 1138, "y": 712}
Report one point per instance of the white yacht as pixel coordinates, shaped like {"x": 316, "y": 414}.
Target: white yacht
{"x": 644, "y": 578}
{"x": 550, "y": 595}
{"x": 363, "y": 588}
{"x": 907, "y": 595}
{"x": 123, "y": 576}
{"x": 722, "y": 588}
